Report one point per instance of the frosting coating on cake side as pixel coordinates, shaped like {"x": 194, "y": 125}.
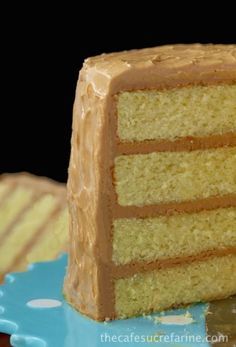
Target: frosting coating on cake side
{"x": 90, "y": 282}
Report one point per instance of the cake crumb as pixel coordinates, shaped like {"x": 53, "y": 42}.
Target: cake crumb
{"x": 157, "y": 320}
{"x": 188, "y": 315}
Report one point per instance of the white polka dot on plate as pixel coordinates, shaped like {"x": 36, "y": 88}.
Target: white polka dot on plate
{"x": 44, "y": 303}
{"x": 175, "y": 320}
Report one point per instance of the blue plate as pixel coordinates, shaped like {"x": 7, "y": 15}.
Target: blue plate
{"x": 34, "y": 312}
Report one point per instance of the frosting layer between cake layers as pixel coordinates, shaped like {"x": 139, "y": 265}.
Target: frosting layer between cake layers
{"x": 149, "y": 206}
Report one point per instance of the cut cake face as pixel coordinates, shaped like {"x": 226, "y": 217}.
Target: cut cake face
{"x": 152, "y": 185}
{"x": 33, "y": 221}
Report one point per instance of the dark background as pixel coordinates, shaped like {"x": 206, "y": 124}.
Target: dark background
{"x": 43, "y": 52}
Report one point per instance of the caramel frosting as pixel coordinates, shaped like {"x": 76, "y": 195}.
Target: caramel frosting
{"x": 189, "y": 143}
{"x": 89, "y": 284}
{"x": 171, "y": 208}
{"x": 128, "y": 270}
{"x": 36, "y": 183}
{"x": 161, "y": 67}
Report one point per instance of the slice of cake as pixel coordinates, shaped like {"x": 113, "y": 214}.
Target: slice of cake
{"x": 33, "y": 221}
{"x": 152, "y": 181}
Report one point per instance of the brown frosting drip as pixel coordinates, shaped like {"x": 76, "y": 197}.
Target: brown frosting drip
{"x": 89, "y": 284}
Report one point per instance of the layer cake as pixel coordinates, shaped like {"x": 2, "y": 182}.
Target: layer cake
{"x": 33, "y": 221}
{"x": 152, "y": 181}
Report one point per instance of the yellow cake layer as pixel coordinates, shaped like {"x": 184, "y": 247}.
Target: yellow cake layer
{"x": 52, "y": 241}
{"x": 169, "y": 114}
{"x": 22, "y": 233}
{"x": 3, "y": 190}
{"x": 13, "y": 205}
{"x": 162, "y": 289}
{"x": 173, "y": 236}
{"x": 33, "y": 221}
{"x": 163, "y": 177}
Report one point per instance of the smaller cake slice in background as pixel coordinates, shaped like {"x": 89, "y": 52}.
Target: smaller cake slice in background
{"x": 33, "y": 221}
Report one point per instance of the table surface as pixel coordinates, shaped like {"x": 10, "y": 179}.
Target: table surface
{"x": 35, "y": 314}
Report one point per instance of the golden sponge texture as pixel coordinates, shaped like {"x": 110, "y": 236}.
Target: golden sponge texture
{"x": 157, "y": 290}
{"x": 179, "y": 235}
{"x": 174, "y": 113}
{"x": 146, "y": 179}
{"x": 33, "y": 221}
